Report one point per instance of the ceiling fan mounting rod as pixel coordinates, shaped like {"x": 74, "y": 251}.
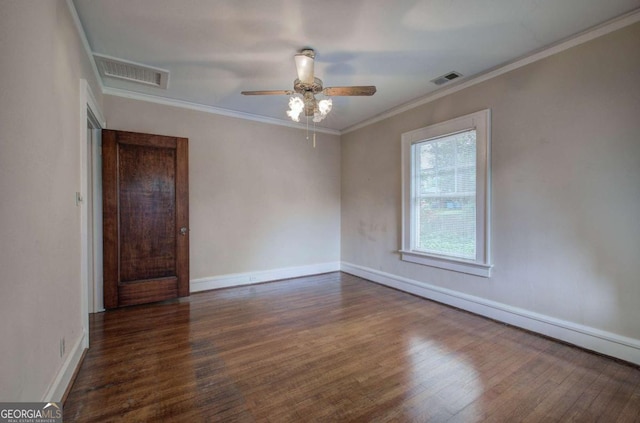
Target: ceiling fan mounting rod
{"x": 309, "y": 52}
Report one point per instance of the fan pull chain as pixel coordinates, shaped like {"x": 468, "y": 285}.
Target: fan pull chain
{"x": 314, "y": 134}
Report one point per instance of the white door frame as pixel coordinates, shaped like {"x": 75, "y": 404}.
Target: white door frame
{"x": 89, "y": 112}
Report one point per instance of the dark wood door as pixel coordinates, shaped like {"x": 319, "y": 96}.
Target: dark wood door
{"x": 146, "y": 217}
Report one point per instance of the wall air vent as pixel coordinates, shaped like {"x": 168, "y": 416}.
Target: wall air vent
{"x": 446, "y": 78}
{"x": 110, "y": 67}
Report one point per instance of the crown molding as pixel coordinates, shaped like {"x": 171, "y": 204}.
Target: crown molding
{"x": 85, "y": 42}
{"x": 210, "y": 109}
{"x": 592, "y": 33}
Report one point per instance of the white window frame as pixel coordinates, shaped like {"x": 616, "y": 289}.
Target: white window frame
{"x": 481, "y": 122}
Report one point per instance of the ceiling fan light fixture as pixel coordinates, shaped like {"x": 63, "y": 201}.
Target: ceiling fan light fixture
{"x": 322, "y": 109}
{"x": 324, "y": 106}
{"x": 296, "y": 106}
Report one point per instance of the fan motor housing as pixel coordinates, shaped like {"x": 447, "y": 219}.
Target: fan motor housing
{"x": 301, "y": 88}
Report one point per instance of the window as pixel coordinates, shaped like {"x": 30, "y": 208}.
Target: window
{"x": 445, "y": 189}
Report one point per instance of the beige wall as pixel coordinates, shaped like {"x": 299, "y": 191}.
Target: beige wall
{"x": 260, "y": 196}
{"x": 566, "y": 186}
{"x": 41, "y": 66}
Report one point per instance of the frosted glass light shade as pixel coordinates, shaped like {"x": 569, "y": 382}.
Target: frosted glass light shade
{"x": 325, "y": 106}
{"x": 296, "y": 106}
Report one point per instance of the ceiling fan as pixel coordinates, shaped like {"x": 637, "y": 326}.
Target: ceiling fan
{"x": 307, "y": 85}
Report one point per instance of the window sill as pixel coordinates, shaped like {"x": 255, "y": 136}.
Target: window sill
{"x": 448, "y": 263}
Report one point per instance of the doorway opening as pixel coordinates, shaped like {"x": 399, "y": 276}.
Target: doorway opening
{"x": 89, "y": 199}
{"x": 93, "y": 202}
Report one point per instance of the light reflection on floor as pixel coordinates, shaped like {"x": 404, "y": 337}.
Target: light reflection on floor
{"x": 433, "y": 368}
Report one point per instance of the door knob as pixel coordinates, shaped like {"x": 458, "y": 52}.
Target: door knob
{"x": 183, "y": 231}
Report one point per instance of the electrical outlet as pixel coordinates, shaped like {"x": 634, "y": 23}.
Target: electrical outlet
{"x": 62, "y": 347}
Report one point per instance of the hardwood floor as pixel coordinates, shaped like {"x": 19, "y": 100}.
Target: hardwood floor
{"x": 337, "y": 348}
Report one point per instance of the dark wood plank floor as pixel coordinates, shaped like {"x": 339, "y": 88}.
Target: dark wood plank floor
{"x": 337, "y": 348}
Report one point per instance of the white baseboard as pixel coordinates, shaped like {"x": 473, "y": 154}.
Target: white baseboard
{"x": 239, "y": 279}
{"x": 593, "y": 339}
{"x": 63, "y": 378}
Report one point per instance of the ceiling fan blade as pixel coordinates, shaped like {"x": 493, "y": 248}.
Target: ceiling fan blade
{"x": 357, "y": 90}
{"x": 271, "y": 92}
{"x": 304, "y": 66}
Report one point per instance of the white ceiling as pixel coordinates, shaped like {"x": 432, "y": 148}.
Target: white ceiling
{"x": 215, "y": 49}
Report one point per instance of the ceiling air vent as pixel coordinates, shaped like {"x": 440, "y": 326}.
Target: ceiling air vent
{"x": 446, "y": 78}
{"x": 110, "y": 67}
